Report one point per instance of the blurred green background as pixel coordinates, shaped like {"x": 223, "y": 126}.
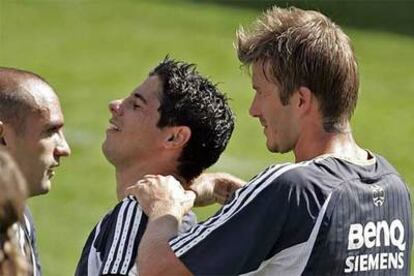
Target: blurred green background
{"x": 96, "y": 51}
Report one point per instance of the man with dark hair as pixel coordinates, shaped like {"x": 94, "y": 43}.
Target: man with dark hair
{"x": 339, "y": 209}
{"x": 175, "y": 123}
{"x": 31, "y": 131}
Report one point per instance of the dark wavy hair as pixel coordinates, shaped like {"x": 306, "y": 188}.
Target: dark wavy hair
{"x": 192, "y": 100}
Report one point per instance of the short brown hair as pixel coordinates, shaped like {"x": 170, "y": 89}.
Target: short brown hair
{"x": 16, "y": 103}
{"x": 305, "y": 48}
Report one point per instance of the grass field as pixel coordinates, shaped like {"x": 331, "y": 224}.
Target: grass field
{"x": 95, "y": 51}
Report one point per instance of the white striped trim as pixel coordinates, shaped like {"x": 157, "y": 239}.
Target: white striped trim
{"x": 94, "y": 258}
{"x": 131, "y": 242}
{"x": 29, "y": 241}
{"x": 116, "y": 237}
{"x": 250, "y": 193}
{"x": 125, "y": 232}
{"x": 28, "y": 226}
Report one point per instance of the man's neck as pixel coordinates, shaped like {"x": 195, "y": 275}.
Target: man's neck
{"x": 128, "y": 176}
{"x": 316, "y": 142}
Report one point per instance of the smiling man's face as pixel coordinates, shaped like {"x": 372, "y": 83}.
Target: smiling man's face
{"x": 279, "y": 121}
{"x": 133, "y": 133}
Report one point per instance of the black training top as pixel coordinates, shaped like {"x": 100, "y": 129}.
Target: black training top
{"x": 327, "y": 216}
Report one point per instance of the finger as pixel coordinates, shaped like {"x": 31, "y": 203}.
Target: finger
{"x": 188, "y": 201}
{"x": 172, "y": 179}
{"x": 150, "y": 176}
{"x": 189, "y": 194}
{"x": 134, "y": 189}
{"x": 129, "y": 191}
{"x": 141, "y": 182}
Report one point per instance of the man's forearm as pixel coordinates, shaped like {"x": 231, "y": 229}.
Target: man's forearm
{"x": 155, "y": 256}
{"x": 214, "y": 188}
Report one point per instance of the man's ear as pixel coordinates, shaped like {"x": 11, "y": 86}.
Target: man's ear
{"x": 177, "y": 137}
{"x": 304, "y": 99}
{"x": 2, "y": 134}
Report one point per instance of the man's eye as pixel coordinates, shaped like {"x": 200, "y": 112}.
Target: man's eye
{"x": 135, "y": 106}
{"x": 52, "y": 130}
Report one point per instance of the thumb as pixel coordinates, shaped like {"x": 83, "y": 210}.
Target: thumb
{"x": 188, "y": 201}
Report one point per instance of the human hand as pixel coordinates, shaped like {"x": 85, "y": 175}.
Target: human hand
{"x": 214, "y": 188}
{"x": 162, "y": 195}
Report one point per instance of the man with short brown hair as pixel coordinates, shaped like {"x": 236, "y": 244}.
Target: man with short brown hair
{"x": 338, "y": 209}
{"x": 31, "y": 131}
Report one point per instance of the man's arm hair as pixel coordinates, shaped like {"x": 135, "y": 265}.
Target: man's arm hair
{"x": 213, "y": 188}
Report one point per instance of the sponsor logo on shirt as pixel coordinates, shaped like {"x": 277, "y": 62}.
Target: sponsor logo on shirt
{"x": 378, "y": 195}
{"x": 372, "y": 235}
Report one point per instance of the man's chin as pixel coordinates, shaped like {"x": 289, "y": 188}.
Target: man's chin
{"x": 106, "y": 149}
{"x": 108, "y": 153}
{"x": 271, "y": 147}
{"x": 277, "y": 149}
{"x": 43, "y": 189}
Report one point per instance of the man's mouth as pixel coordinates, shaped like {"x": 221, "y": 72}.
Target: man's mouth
{"x": 262, "y": 122}
{"x": 112, "y": 126}
{"x": 50, "y": 173}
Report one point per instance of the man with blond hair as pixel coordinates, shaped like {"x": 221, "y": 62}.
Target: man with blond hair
{"x": 338, "y": 209}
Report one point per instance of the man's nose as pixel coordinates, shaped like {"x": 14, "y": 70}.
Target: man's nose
{"x": 253, "y": 110}
{"x": 115, "y": 107}
{"x": 62, "y": 149}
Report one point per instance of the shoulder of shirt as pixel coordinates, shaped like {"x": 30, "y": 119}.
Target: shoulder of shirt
{"x": 121, "y": 206}
{"x": 125, "y": 202}
{"x": 129, "y": 199}
{"x": 290, "y": 173}
{"x": 385, "y": 164}
{"x": 302, "y": 176}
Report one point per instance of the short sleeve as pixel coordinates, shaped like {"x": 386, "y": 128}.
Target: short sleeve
{"x": 246, "y": 231}
{"x": 118, "y": 241}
